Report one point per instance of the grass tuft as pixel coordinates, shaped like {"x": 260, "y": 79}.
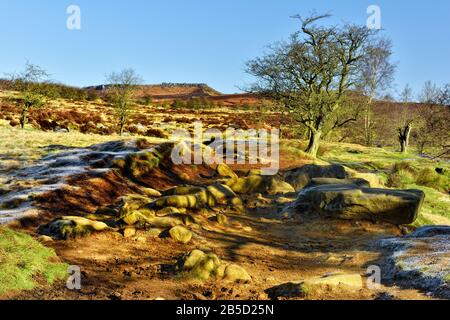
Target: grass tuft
{"x": 23, "y": 260}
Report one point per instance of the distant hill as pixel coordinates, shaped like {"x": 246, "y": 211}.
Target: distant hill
{"x": 186, "y": 91}
{"x": 169, "y": 90}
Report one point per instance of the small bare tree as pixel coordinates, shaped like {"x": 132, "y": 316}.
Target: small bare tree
{"x": 121, "y": 87}
{"x": 430, "y": 93}
{"x": 311, "y": 74}
{"x": 407, "y": 94}
{"x": 407, "y": 118}
{"x": 434, "y": 114}
{"x": 377, "y": 74}
{"x": 27, "y": 83}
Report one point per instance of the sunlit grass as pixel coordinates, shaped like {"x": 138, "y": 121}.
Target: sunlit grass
{"x": 30, "y": 144}
{"x": 23, "y": 260}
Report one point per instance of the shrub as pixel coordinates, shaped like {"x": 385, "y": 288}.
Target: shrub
{"x": 400, "y": 179}
{"x": 430, "y": 178}
{"x": 405, "y": 174}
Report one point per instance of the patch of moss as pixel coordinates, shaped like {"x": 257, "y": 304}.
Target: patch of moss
{"x": 139, "y": 164}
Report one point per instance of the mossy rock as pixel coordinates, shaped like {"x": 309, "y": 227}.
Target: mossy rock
{"x": 235, "y": 273}
{"x": 260, "y": 184}
{"x": 132, "y": 202}
{"x": 182, "y": 191}
{"x": 180, "y": 234}
{"x": 163, "y": 222}
{"x": 151, "y": 192}
{"x": 144, "y": 219}
{"x": 71, "y": 227}
{"x": 221, "y": 193}
{"x": 249, "y": 185}
{"x": 167, "y": 211}
{"x": 154, "y": 232}
{"x": 139, "y": 216}
{"x": 199, "y": 198}
{"x": 186, "y": 201}
{"x": 222, "y": 219}
{"x": 278, "y": 186}
{"x": 196, "y": 198}
{"x": 139, "y": 164}
{"x": 129, "y": 232}
{"x": 199, "y": 265}
{"x": 224, "y": 170}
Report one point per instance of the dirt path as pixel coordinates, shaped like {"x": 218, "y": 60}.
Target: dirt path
{"x": 273, "y": 251}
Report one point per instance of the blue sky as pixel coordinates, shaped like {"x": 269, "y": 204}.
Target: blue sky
{"x": 203, "y": 40}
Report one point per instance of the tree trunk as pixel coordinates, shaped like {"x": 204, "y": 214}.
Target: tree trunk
{"x": 314, "y": 142}
{"x": 421, "y": 146}
{"x": 367, "y": 130}
{"x": 122, "y": 122}
{"x": 23, "y": 118}
{"x": 403, "y": 137}
{"x": 121, "y": 125}
{"x": 368, "y": 124}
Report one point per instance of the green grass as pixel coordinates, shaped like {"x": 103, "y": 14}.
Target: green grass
{"x": 370, "y": 158}
{"x": 23, "y": 260}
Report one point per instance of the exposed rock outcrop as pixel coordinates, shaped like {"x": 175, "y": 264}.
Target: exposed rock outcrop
{"x": 301, "y": 177}
{"x": 351, "y": 202}
{"x": 327, "y": 181}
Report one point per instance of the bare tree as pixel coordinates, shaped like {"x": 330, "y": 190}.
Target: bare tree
{"x": 406, "y": 120}
{"x": 433, "y": 127}
{"x": 120, "y": 91}
{"x": 430, "y": 93}
{"x": 407, "y": 94}
{"x": 377, "y": 74}
{"x": 311, "y": 74}
{"x": 444, "y": 96}
{"x": 27, "y": 83}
